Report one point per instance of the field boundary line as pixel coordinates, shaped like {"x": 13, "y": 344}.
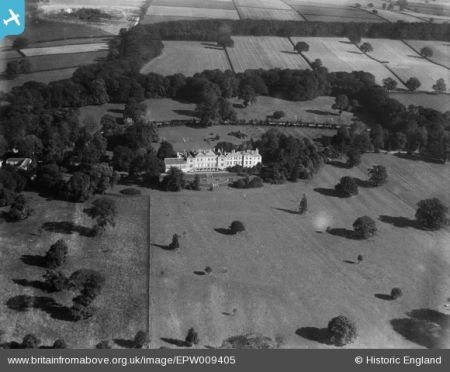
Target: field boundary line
{"x": 295, "y": 10}
{"x": 229, "y": 60}
{"x": 376, "y": 14}
{"x": 416, "y": 51}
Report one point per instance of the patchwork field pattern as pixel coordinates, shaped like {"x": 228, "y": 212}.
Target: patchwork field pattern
{"x": 267, "y": 4}
{"x": 406, "y": 63}
{"x": 264, "y": 52}
{"x": 394, "y": 16}
{"x": 119, "y": 4}
{"x": 441, "y": 50}
{"x": 188, "y": 58}
{"x": 340, "y": 55}
{"x": 428, "y": 17}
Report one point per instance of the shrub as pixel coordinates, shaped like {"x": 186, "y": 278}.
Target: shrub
{"x": 175, "y": 244}
{"x": 360, "y": 258}
{"x": 396, "y": 293}
{"x": 364, "y": 227}
{"x": 59, "y": 344}
{"x": 237, "y": 226}
{"x": 104, "y": 212}
{"x": 140, "y": 339}
{"x": 55, "y": 281}
{"x": 248, "y": 183}
{"x": 30, "y": 341}
{"x": 56, "y": 255}
{"x": 342, "y": 330}
{"x": 103, "y": 345}
{"x": 346, "y": 187}
{"x": 80, "y": 312}
{"x": 191, "y": 337}
{"x": 378, "y": 175}
{"x": 19, "y": 210}
{"x": 431, "y": 214}
{"x": 278, "y": 114}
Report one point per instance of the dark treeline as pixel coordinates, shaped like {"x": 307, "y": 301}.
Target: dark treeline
{"x": 209, "y": 30}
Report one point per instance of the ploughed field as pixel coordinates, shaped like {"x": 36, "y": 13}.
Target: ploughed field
{"x": 285, "y": 273}
{"x": 121, "y": 255}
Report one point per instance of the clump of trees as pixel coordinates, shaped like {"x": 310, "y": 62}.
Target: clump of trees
{"x": 140, "y": 339}
{"x": 431, "y": 214}
{"x": 440, "y": 86}
{"x": 346, "y": 187}
{"x": 342, "y": 330}
{"x": 19, "y": 210}
{"x": 104, "y": 212}
{"x": 56, "y": 255}
{"x": 364, "y": 227}
{"x": 237, "y": 227}
{"x": 248, "y": 183}
{"x": 396, "y": 293}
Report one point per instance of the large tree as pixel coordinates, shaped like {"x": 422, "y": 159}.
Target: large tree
{"x": 341, "y": 103}
{"x": 366, "y": 48}
{"x": 378, "y": 175}
{"x": 342, "y": 330}
{"x": 346, "y": 187}
{"x": 426, "y": 52}
{"x": 440, "y": 86}
{"x": 389, "y": 83}
{"x": 301, "y": 47}
{"x": 413, "y": 84}
{"x": 364, "y": 227}
{"x": 431, "y": 214}
{"x": 104, "y": 211}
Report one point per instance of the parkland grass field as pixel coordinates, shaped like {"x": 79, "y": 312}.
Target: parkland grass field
{"x": 121, "y": 255}
{"x": 285, "y": 276}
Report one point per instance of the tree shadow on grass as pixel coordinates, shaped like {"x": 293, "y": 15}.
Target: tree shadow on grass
{"x": 34, "y": 260}
{"x": 199, "y": 273}
{"x": 33, "y": 284}
{"x": 383, "y": 296}
{"x": 425, "y": 327}
{"x": 190, "y": 113}
{"x": 345, "y": 233}
{"x": 165, "y": 247}
{"x": 338, "y": 164}
{"x": 67, "y": 227}
{"x": 223, "y": 231}
{"x": 363, "y": 183}
{"x": 290, "y": 211}
{"x": 350, "y": 262}
{"x": 174, "y": 341}
{"x": 327, "y": 192}
{"x": 400, "y": 221}
{"x": 48, "y": 304}
{"x": 321, "y": 335}
{"x": 127, "y": 344}
{"x": 322, "y": 112}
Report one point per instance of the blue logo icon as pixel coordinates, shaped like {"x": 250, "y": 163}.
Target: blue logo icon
{"x": 12, "y": 17}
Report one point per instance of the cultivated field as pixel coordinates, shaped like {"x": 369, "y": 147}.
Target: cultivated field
{"x": 121, "y": 255}
{"x": 340, "y": 55}
{"x": 188, "y": 57}
{"x": 267, "y": 4}
{"x": 267, "y": 13}
{"x": 185, "y": 11}
{"x": 64, "y": 4}
{"x": 428, "y": 17}
{"x": 64, "y": 49}
{"x": 332, "y": 13}
{"x": 406, "y": 63}
{"x": 285, "y": 272}
{"x": 441, "y": 50}
{"x": 264, "y": 52}
{"x": 395, "y": 16}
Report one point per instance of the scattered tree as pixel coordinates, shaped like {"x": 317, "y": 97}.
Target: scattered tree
{"x": 55, "y": 281}
{"x": 247, "y": 94}
{"x": 426, "y": 52}
{"x": 140, "y": 339}
{"x": 360, "y": 258}
{"x": 378, "y": 175}
{"x": 191, "y": 338}
{"x": 303, "y": 207}
{"x": 59, "y": 344}
{"x": 104, "y": 212}
{"x": 346, "y": 187}
{"x": 278, "y": 114}
{"x": 341, "y": 103}
{"x": 364, "y": 227}
{"x": 342, "y": 330}
{"x": 413, "y": 84}
{"x": 236, "y": 227}
{"x": 56, "y": 255}
{"x": 431, "y": 214}
{"x": 389, "y": 83}
{"x": 30, "y": 341}
{"x": 19, "y": 210}
{"x": 366, "y": 48}
{"x": 440, "y": 86}
{"x": 396, "y": 293}
{"x": 175, "y": 244}
{"x": 301, "y": 47}
{"x": 174, "y": 181}
{"x": 103, "y": 345}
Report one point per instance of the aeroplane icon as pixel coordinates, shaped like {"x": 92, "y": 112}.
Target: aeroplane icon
{"x": 14, "y": 17}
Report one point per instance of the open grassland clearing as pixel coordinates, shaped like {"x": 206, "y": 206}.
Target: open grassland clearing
{"x": 441, "y": 50}
{"x": 285, "y": 272}
{"x": 264, "y": 52}
{"x": 188, "y": 58}
{"x": 341, "y": 55}
{"x": 266, "y": 13}
{"x": 121, "y": 255}
{"x": 406, "y": 63}
{"x": 439, "y": 102}
{"x": 64, "y": 49}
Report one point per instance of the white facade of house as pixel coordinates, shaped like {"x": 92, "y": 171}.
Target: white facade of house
{"x": 210, "y": 161}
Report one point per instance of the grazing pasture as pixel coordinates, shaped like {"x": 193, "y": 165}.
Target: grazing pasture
{"x": 395, "y": 16}
{"x": 406, "y": 63}
{"x": 266, "y": 4}
{"x": 441, "y": 50}
{"x": 121, "y": 255}
{"x": 206, "y": 4}
{"x": 188, "y": 58}
{"x": 428, "y": 17}
{"x": 285, "y": 273}
{"x": 266, "y": 13}
{"x": 439, "y": 102}
{"x": 180, "y": 11}
{"x": 340, "y": 55}
{"x": 264, "y": 52}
